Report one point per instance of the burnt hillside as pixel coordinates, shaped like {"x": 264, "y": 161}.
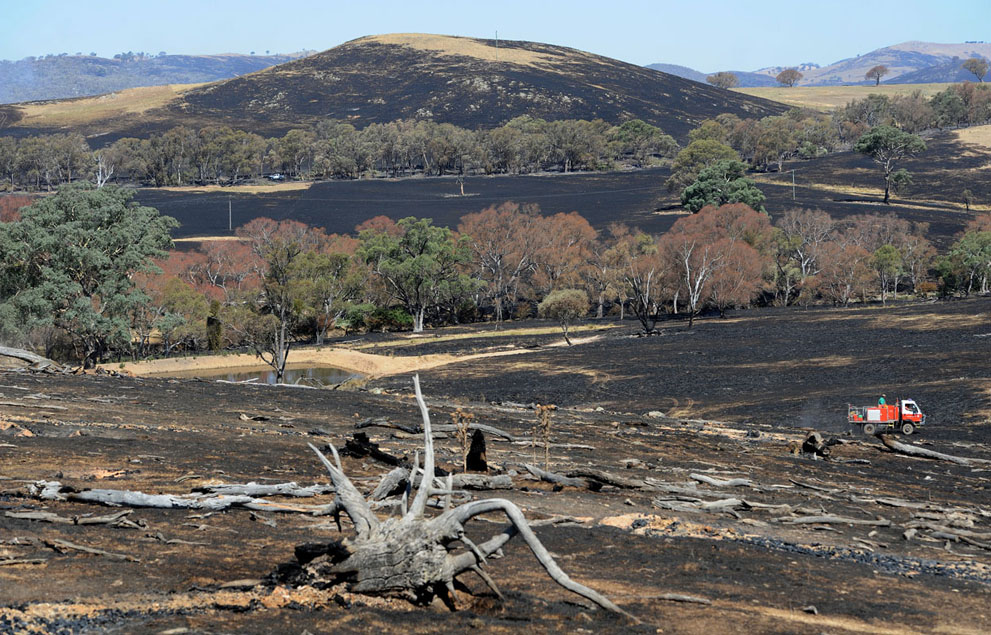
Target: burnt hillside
{"x": 468, "y": 82}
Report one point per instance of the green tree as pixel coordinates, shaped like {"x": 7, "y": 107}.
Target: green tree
{"x": 68, "y": 263}
{"x": 418, "y": 265}
{"x": 721, "y": 183}
{"x": 887, "y": 264}
{"x": 271, "y": 326}
{"x": 695, "y": 157}
{"x": 565, "y": 306}
{"x": 643, "y": 141}
{"x": 326, "y": 282}
{"x": 886, "y": 145}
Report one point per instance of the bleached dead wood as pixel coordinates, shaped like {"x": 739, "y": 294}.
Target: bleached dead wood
{"x": 560, "y": 479}
{"x": 914, "y": 450}
{"x": 835, "y": 520}
{"x": 28, "y": 356}
{"x": 53, "y": 490}
{"x": 715, "y": 482}
{"x": 255, "y": 489}
{"x": 413, "y": 554}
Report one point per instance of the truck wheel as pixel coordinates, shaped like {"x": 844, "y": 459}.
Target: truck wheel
{"x": 907, "y": 428}
{"x": 869, "y": 429}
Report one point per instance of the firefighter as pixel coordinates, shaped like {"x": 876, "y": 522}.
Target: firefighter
{"x": 881, "y": 401}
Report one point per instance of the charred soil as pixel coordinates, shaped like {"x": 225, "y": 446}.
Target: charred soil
{"x": 729, "y": 400}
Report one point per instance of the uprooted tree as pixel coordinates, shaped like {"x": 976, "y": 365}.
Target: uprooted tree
{"x": 413, "y": 555}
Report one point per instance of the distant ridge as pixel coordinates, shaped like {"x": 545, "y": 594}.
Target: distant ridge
{"x": 66, "y": 76}
{"x": 908, "y": 63}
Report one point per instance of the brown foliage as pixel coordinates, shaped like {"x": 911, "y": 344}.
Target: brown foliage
{"x": 10, "y": 206}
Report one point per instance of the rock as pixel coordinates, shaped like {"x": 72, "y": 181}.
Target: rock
{"x": 655, "y": 414}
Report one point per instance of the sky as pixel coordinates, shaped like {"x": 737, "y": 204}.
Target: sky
{"x": 705, "y": 35}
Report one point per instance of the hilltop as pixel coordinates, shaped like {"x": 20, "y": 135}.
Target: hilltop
{"x": 908, "y": 63}
{"x": 64, "y": 76}
{"x": 468, "y": 82}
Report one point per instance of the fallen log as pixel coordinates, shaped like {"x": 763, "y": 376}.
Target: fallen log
{"x": 560, "y": 479}
{"x": 54, "y": 490}
{"x": 835, "y": 520}
{"x": 64, "y": 545}
{"x": 255, "y": 489}
{"x": 28, "y": 356}
{"x": 715, "y": 482}
{"x": 607, "y": 479}
{"x": 913, "y": 450}
{"x": 117, "y": 519}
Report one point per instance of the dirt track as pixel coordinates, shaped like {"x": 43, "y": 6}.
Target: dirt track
{"x": 759, "y": 569}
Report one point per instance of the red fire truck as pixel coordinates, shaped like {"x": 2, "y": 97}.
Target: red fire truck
{"x": 903, "y": 415}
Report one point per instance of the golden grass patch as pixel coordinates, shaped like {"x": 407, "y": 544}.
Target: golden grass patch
{"x": 829, "y": 97}
{"x": 931, "y": 321}
{"x": 70, "y": 112}
{"x": 977, "y": 135}
{"x": 263, "y": 188}
{"x": 469, "y": 47}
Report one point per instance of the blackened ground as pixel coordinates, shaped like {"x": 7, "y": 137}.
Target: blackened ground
{"x": 766, "y": 374}
{"x": 638, "y": 198}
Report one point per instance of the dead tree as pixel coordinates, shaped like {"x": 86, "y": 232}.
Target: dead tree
{"x": 415, "y": 556}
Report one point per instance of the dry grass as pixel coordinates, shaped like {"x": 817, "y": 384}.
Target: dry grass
{"x": 206, "y": 239}
{"x": 72, "y": 112}
{"x": 931, "y": 321}
{"x": 469, "y": 47}
{"x": 368, "y": 364}
{"x": 261, "y": 188}
{"x": 830, "y": 97}
{"x": 784, "y": 178}
{"x": 977, "y": 135}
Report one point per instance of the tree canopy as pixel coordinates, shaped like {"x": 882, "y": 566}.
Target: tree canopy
{"x": 886, "y": 145}
{"x": 978, "y": 66}
{"x": 723, "y": 79}
{"x": 69, "y": 262}
{"x": 876, "y": 73}
{"x": 789, "y": 77}
{"x": 721, "y": 183}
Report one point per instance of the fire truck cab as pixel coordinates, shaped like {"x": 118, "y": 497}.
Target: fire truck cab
{"x": 904, "y": 415}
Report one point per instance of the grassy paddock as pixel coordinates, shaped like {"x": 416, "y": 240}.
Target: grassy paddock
{"x": 71, "y": 112}
{"x": 829, "y": 97}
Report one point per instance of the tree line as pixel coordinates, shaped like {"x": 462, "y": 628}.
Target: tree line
{"x": 123, "y": 294}
{"x": 332, "y": 149}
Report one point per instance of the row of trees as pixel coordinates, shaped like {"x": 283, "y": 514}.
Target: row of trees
{"x": 332, "y": 149}
{"x": 120, "y": 293}
{"x": 791, "y": 76}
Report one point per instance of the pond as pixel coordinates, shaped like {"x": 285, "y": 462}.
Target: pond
{"x": 306, "y": 375}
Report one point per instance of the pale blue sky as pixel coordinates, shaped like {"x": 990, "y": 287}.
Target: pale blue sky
{"x": 706, "y": 35}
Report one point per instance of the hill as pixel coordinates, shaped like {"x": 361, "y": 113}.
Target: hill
{"x": 468, "y": 82}
{"x": 901, "y": 59}
{"x": 63, "y": 76}
{"x": 744, "y": 77}
{"x": 908, "y": 63}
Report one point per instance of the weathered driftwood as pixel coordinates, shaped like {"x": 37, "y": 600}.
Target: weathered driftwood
{"x": 414, "y": 555}
{"x": 835, "y": 520}
{"x": 28, "y": 356}
{"x": 560, "y": 479}
{"x": 255, "y": 489}
{"x": 715, "y": 482}
{"x": 382, "y": 422}
{"x": 117, "y": 519}
{"x": 54, "y": 490}
{"x": 914, "y": 450}
{"x": 64, "y": 545}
